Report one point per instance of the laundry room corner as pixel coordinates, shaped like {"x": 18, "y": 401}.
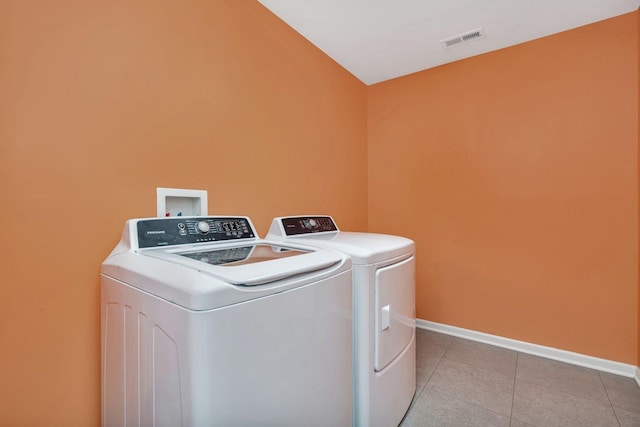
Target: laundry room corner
{"x": 516, "y": 173}
{"x": 101, "y": 104}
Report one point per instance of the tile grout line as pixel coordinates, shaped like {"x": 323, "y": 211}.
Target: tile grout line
{"x": 412, "y": 405}
{"x": 424, "y": 386}
{"x": 437, "y": 364}
{"x": 513, "y": 395}
{"x": 474, "y": 367}
{"x": 434, "y": 370}
{"x": 609, "y": 398}
{"x": 570, "y": 393}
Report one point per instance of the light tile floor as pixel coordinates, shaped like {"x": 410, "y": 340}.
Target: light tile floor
{"x": 465, "y": 383}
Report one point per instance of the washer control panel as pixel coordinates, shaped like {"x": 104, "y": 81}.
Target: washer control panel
{"x": 308, "y": 224}
{"x": 180, "y": 231}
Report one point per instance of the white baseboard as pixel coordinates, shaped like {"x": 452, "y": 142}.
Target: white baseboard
{"x": 604, "y": 365}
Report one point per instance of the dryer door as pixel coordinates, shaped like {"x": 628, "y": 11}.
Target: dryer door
{"x": 394, "y": 310}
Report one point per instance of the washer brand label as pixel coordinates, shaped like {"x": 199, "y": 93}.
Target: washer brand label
{"x": 155, "y": 232}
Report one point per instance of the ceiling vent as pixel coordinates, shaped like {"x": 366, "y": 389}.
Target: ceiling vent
{"x": 463, "y": 38}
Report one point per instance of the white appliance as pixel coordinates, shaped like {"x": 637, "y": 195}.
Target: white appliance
{"x": 384, "y": 313}
{"x": 205, "y": 324}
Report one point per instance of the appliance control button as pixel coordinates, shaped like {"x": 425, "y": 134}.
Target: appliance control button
{"x": 203, "y": 227}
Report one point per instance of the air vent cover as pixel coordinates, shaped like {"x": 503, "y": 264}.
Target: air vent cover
{"x": 463, "y": 38}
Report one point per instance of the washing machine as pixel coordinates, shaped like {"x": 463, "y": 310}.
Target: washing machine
{"x": 205, "y": 324}
{"x": 384, "y": 313}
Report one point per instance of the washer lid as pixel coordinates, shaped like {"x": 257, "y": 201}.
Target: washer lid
{"x": 248, "y": 265}
{"x": 203, "y": 263}
{"x": 198, "y": 285}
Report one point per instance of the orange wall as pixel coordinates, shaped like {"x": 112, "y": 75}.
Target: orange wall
{"x": 526, "y": 221}
{"x": 516, "y": 174}
{"x": 101, "y": 103}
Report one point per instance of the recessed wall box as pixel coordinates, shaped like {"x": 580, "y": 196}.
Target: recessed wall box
{"x": 179, "y": 202}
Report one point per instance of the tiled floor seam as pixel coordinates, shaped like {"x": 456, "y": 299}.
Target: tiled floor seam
{"x": 431, "y": 375}
{"x": 468, "y": 402}
{"x": 424, "y": 386}
{"x": 465, "y": 400}
{"x": 416, "y": 396}
{"x": 551, "y": 387}
{"x": 594, "y": 402}
{"x": 437, "y": 364}
{"x": 490, "y": 371}
{"x": 513, "y": 396}
{"x": 609, "y": 397}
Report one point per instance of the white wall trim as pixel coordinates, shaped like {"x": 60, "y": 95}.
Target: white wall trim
{"x": 604, "y": 365}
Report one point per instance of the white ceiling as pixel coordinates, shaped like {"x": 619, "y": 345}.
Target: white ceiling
{"x": 378, "y": 40}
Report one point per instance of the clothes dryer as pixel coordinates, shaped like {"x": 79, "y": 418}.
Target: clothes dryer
{"x": 205, "y": 324}
{"x": 384, "y": 313}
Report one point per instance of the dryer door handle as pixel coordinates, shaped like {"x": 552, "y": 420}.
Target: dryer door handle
{"x": 385, "y": 319}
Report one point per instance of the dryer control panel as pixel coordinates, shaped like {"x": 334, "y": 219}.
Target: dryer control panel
{"x": 308, "y": 224}
{"x": 180, "y": 231}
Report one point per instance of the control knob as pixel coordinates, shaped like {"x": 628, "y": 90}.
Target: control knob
{"x": 203, "y": 227}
